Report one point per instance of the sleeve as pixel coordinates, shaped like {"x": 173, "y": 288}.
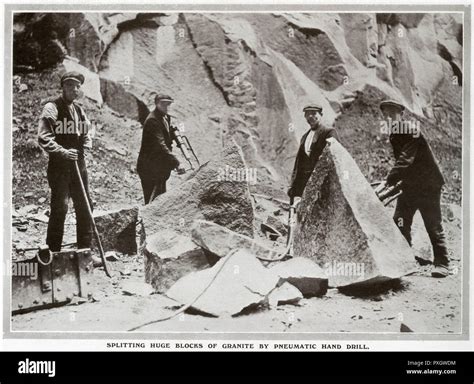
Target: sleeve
{"x": 88, "y": 131}
{"x": 404, "y": 160}
{"x": 46, "y": 136}
{"x": 159, "y": 141}
{"x": 292, "y": 191}
{"x": 333, "y": 133}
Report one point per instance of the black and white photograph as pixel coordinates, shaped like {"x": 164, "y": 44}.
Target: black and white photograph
{"x": 237, "y": 173}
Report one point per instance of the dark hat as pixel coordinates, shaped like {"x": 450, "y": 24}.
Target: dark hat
{"x": 313, "y": 107}
{"x": 72, "y": 76}
{"x": 393, "y": 103}
{"x": 163, "y": 97}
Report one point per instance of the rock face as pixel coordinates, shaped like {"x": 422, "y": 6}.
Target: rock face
{"x": 117, "y": 230}
{"x": 211, "y": 194}
{"x": 240, "y": 281}
{"x": 344, "y": 228}
{"x": 170, "y": 256}
{"x": 253, "y": 72}
{"x": 220, "y": 241}
{"x": 90, "y": 34}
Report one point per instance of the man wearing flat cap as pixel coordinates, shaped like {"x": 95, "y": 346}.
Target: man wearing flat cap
{"x": 156, "y": 160}
{"x": 421, "y": 182}
{"x": 311, "y": 146}
{"x": 64, "y": 133}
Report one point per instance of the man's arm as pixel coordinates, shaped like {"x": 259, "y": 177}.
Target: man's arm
{"x": 87, "y": 134}
{"x": 404, "y": 160}
{"x": 46, "y": 136}
{"x": 333, "y": 133}
{"x": 294, "y": 176}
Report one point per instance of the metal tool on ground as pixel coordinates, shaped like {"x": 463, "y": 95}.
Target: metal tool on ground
{"x": 182, "y": 142}
{"x": 89, "y": 210}
{"x": 387, "y": 194}
{"x": 50, "y": 279}
{"x": 294, "y": 201}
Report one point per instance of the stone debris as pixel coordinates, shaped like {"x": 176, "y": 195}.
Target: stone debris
{"x": 125, "y": 271}
{"x": 270, "y": 232}
{"x": 39, "y": 217}
{"x": 219, "y": 241}
{"x": 117, "y": 229}
{"x": 405, "y": 328}
{"x": 240, "y": 283}
{"x": 77, "y": 300}
{"x": 168, "y": 256}
{"x": 304, "y": 274}
{"x": 278, "y": 223}
{"x": 284, "y": 294}
{"x": 111, "y": 256}
{"x": 134, "y": 288}
{"x": 27, "y": 209}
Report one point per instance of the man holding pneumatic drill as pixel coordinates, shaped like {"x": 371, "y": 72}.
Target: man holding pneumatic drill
{"x": 421, "y": 181}
{"x": 156, "y": 160}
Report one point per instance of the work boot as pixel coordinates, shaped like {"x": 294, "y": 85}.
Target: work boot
{"x": 440, "y": 270}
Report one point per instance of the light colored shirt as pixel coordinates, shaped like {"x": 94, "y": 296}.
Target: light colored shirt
{"x": 46, "y": 135}
{"x": 165, "y": 120}
{"x": 309, "y": 140}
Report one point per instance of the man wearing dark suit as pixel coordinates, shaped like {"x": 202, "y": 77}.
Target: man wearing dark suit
{"x": 312, "y": 145}
{"x": 417, "y": 169}
{"x": 156, "y": 160}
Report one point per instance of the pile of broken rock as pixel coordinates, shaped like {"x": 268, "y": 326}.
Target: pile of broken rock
{"x": 199, "y": 248}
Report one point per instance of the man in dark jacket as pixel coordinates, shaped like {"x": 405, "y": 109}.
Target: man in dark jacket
{"x": 64, "y": 133}
{"x": 417, "y": 169}
{"x": 156, "y": 160}
{"x": 312, "y": 145}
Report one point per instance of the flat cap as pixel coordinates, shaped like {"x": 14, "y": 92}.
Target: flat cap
{"x": 393, "y": 103}
{"x": 163, "y": 97}
{"x": 72, "y": 76}
{"x": 313, "y": 107}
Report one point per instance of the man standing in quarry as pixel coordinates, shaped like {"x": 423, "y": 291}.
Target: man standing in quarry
{"x": 156, "y": 160}
{"x": 421, "y": 182}
{"x": 64, "y": 133}
{"x": 311, "y": 147}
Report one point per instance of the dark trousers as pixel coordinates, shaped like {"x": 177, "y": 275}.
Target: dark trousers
{"x": 429, "y": 205}
{"x": 153, "y": 186}
{"x": 64, "y": 184}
